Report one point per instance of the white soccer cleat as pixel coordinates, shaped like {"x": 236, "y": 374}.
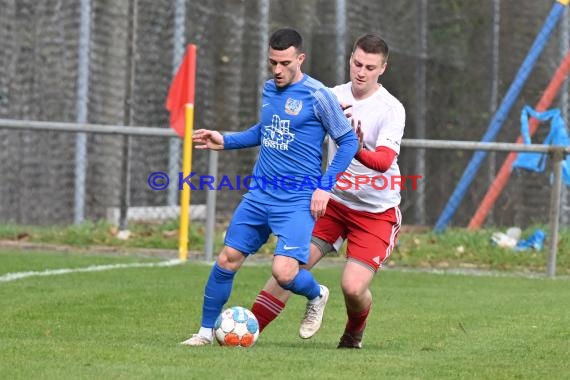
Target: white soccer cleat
{"x": 197, "y": 340}
{"x": 313, "y": 318}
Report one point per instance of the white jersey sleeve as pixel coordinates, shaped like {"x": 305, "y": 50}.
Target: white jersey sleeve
{"x": 392, "y": 127}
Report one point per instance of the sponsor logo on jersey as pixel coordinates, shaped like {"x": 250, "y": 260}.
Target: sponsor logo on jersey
{"x": 277, "y": 135}
{"x": 293, "y": 106}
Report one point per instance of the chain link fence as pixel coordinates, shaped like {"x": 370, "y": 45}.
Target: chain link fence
{"x": 468, "y": 51}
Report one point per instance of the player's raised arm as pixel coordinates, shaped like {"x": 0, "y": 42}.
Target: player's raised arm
{"x": 207, "y": 139}
{"x": 214, "y": 140}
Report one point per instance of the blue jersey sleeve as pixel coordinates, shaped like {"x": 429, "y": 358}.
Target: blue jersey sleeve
{"x": 347, "y": 148}
{"x": 244, "y": 139}
{"x": 328, "y": 111}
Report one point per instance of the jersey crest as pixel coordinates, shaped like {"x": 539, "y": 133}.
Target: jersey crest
{"x": 293, "y": 106}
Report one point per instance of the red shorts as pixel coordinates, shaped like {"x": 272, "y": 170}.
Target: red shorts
{"x": 371, "y": 237}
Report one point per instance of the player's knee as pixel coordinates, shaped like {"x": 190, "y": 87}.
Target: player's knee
{"x": 353, "y": 291}
{"x": 230, "y": 259}
{"x": 284, "y": 275}
{"x": 284, "y": 269}
{"x": 283, "y": 279}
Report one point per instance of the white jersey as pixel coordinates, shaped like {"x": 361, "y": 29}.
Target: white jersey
{"x": 382, "y": 119}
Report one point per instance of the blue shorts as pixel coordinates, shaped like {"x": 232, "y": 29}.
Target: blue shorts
{"x": 253, "y": 222}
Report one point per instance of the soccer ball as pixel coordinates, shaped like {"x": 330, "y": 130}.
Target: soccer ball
{"x": 237, "y": 327}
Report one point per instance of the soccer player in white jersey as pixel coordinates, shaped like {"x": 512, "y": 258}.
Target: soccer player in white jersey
{"x": 286, "y": 195}
{"x": 362, "y": 209}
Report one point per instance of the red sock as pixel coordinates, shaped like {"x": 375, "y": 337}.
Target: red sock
{"x": 266, "y": 308}
{"x": 357, "y": 320}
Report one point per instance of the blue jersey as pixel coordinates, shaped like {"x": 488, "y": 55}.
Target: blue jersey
{"x": 293, "y": 123}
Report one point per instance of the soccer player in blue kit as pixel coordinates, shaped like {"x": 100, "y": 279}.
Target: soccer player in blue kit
{"x": 286, "y": 194}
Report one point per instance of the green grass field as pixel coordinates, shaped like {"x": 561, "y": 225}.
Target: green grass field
{"x": 127, "y": 323}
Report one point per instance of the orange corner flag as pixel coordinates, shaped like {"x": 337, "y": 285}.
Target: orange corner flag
{"x": 181, "y": 90}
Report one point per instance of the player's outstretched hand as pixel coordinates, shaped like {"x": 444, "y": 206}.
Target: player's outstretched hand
{"x": 358, "y": 129}
{"x": 319, "y": 203}
{"x": 206, "y": 139}
{"x": 344, "y": 107}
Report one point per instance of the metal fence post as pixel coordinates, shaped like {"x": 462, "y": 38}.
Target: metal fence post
{"x": 211, "y": 207}
{"x": 82, "y": 109}
{"x": 421, "y": 107}
{"x": 125, "y": 200}
{"x": 557, "y": 155}
{"x": 564, "y": 47}
{"x": 341, "y": 28}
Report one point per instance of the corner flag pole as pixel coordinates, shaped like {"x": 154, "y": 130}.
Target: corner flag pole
{"x": 187, "y": 154}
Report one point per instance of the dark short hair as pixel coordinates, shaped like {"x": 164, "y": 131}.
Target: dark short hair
{"x": 373, "y": 44}
{"x": 284, "y": 38}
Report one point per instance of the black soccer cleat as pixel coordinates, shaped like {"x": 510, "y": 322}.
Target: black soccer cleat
{"x": 351, "y": 340}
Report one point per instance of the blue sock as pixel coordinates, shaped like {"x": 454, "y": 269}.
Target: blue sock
{"x": 304, "y": 284}
{"x": 216, "y": 294}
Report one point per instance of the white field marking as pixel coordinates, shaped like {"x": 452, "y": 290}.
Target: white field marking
{"x": 93, "y": 268}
